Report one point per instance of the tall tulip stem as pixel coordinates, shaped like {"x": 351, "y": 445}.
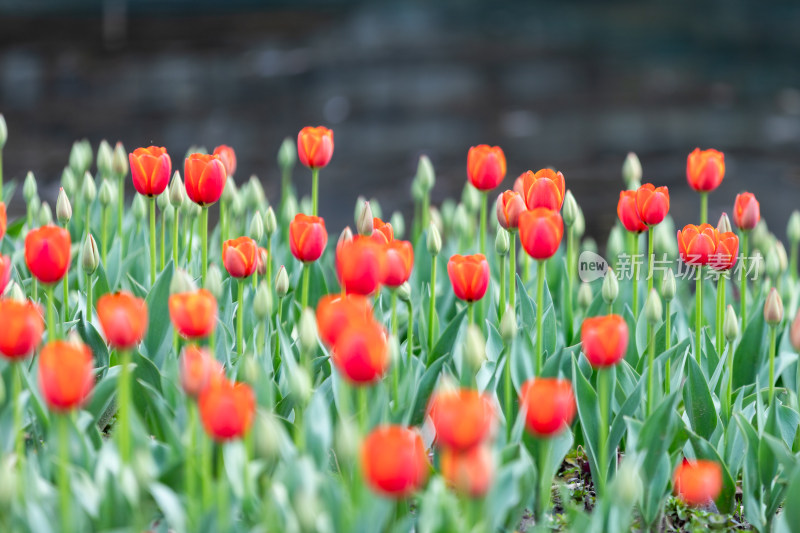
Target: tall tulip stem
{"x": 314, "y": 190}
{"x": 223, "y": 509}
{"x": 190, "y": 466}
{"x": 508, "y": 393}
{"x": 703, "y": 207}
{"x": 698, "y": 313}
{"x": 793, "y": 260}
{"x": 502, "y": 305}
{"x": 223, "y": 224}
{"x": 540, "y": 273}
{"x": 65, "y": 301}
{"x": 120, "y": 209}
{"x": 650, "y": 232}
{"x": 651, "y": 357}
{"x": 19, "y": 434}
{"x": 667, "y": 327}
{"x": 729, "y": 388}
{"x": 545, "y": 483}
{"x": 89, "y": 299}
{"x": 124, "y": 400}
{"x": 63, "y": 472}
{"x": 152, "y": 240}
{"x": 306, "y": 274}
{"x": 470, "y": 313}
{"x": 570, "y": 284}
{"x": 240, "y": 317}
{"x": 394, "y": 311}
{"x": 605, "y": 386}
{"x": 1, "y": 174}
{"x": 410, "y": 332}
{"x": 484, "y": 204}
{"x": 104, "y": 233}
{"x": 512, "y": 279}
{"x": 633, "y": 250}
{"x": 743, "y": 281}
{"x": 432, "y": 306}
{"x": 176, "y": 224}
{"x": 162, "y": 251}
{"x": 720, "y": 312}
{"x": 51, "y": 313}
{"x": 773, "y": 335}
{"x": 204, "y": 243}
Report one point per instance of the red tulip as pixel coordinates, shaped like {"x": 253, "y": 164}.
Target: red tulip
{"x": 463, "y": 418}
{"x": 746, "y": 211}
{"x": 193, "y": 314}
{"x": 652, "y": 203}
{"x": 307, "y": 237}
{"x": 399, "y": 262}
{"x": 469, "y": 275}
{"x": 697, "y": 244}
{"x": 469, "y": 472}
{"x": 627, "y": 213}
{"x": 726, "y": 252}
{"x": 66, "y": 374}
{"x": 540, "y": 232}
{"x": 151, "y": 169}
{"x": 699, "y": 482}
{"x": 239, "y": 257}
{"x": 22, "y": 328}
{"x": 336, "y": 312}
{"x": 5, "y": 272}
{"x": 361, "y": 265}
{"x": 315, "y": 146}
{"x": 382, "y": 231}
{"x": 47, "y": 253}
{"x": 544, "y": 189}
{"x": 705, "y": 169}
{"x": 394, "y": 461}
{"x": 123, "y": 318}
{"x": 510, "y": 205}
{"x": 199, "y": 370}
{"x": 486, "y": 166}
{"x": 604, "y": 339}
{"x": 228, "y": 158}
{"x": 361, "y": 352}
{"x": 3, "y": 220}
{"x": 227, "y": 409}
{"x": 205, "y": 177}
{"x": 262, "y": 260}
{"x": 549, "y": 405}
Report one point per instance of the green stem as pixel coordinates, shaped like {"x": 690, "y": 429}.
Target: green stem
{"x": 104, "y": 234}
{"x": 650, "y": 239}
{"x": 570, "y": 285}
{"x": 120, "y": 209}
{"x": 51, "y": 313}
{"x": 124, "y": 398}
{"x": 410, "y": 331}
{"x": 512, "y": 281}
{"x": 176, "y": 224}
{"x": 540, "y": 273}
{"x": 394, "y": 311}
{"x": 729, "y": 388}
{"x": 651, "y": 357}
{"x": 703, "y": 207}
{"x": 363, "y": 409}
{"x": 507, "y": 395}
{"x": 545, "y": 483}
{"x": 484, "y": 204}
{"x": 773, "y": 334}
{"x": 276, "y": 354}
{"x": 306, "y": 271}
{"x": 698, "y": 313}
{"x": 605, "y": 384}
{"x": 240, "y": 318}
{"x": 720, "y": 313}
{"x": 667, "y": 326}
{"x": 63, "y": 472}
{"x": 425, "y": 209}
{"x": 314, "y": 190}
{"x": 190, "y": 244}
{"x": 35, "y": 290}
{"x": 191, "y": 477}
{"x": 152, "y": 241}
{"x": 223, "y": 224}
{"x": 65, "y": 302}
{"x": 633, "y": 251}
{"x": 269, "y": 260}
{"x": 502, "y": 305}
{"x": 19, "y": 430}
{"x": 205, "y": 472}
{"x": 87, "y": 218}
{"x": 223, "y": 509}
{"x": 793, "y": 260}
{"x": 204, "y": 244}
{"x": 743, "y": 281}
{"x": 432, "y": 306}
{"x": 162, "y": 250}
{"x": 299, "y": 429}
{"x": 286, "y": 177}
{"x": 470, "y": 313}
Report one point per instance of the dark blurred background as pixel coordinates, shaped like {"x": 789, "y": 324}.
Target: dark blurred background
{"x": 569, "y": 84}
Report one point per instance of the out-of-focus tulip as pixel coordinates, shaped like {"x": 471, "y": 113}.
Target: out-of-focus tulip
{"x": 486, "y": 166}
{"x": 545, "y": 188}
{"x": 228, "y": 158}
{"x": 652, "y": 203}
{"x": 5, "y": 272}
{"x": 22, "y": 328}
{"x": 510, "y": 205}
{"x": 361, "y": 352}
{"x": 63, "y": 208}
{"x": 773, "y": 308}
{"x": 697, "y": 244}
{"x": 204, "y": 178}
{"x": 399, "y": 262}
{"x": 123, "y": 318}
{"x": 434, "y": 240}
{"x": 652, "y": 308}
{"x": 394, "y": 461}
{"x": 335, "y": 312}
{"x": 726, "y": 252}
{"x": 605, "y": 340}
{"x": 699, "y": 482}
{"x": 66, "y": 374}
{"x": 360, "y": 265}
{"x": 315, "y": 146}
{"x": 469, "y": 275}
{"x": 469, "y": 472}
{"x": 227, "y": 409}
{"x": 610, "y": 289}
{"x": 281, "y": 282}
{"x": 3, "y": 220}
{"x": 705, "y": 169}
{"x": 540, "y": 232}
{"x": 746, "y": 211}
{"x": 382, "y": 232}
{"x": 463, "y": 418}
{"x": 47, "y": 253}
{"x": 262, "y": 260}
{"x": 199, "y": 370}
{"x": 549, "y": 405}
{"x": 193, "y": 314}
{"x": 730, "y": 326}
{"x": 307, "y": 237}
{"x": 151, "y": 169}
{"x": 724, "y": 223}
{"x": 239, "y": 257}
{"x": 632, "y": 171}
{"x": 627, "y": 213}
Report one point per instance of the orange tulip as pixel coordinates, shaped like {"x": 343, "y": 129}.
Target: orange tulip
{"x": 361, "y": 352}
{"x": 394, "y": 461}
{"x": 336, "y": 312}
{"x": 468, "y": 472}
{"x": 239, "y": 257}
{"x": 227, "y": 409}
{"x": 151, "y": 169}
{"x": 5, "y": 272}
{"x": 697, "y": 244}
{"x": 22, "y": 328}
{"x": 549, "y": 405}
{"x": 3, "y": 220}
{"x": 727, "y": 251}
{"x": 544, "y": 189}
{"x": 47, "y": 253}
{"x": 399, "y": 262}
{"x": 193, "y": 314}
{"x": 652, "y": 203}
{"x": 360, "y": 265}
{"x": 199, "y": 370}
{"x": 66, "y": 374}
{"x": 382, "y": 231}
{"x": 486, "y": 166}
{"x": 315, "y": 146}
{"x": 463, "y": 418}
{"x": 228, "y": 158}
{"x": 604, "y": 339}
{"x": 628, "y": 214}
{"x": 540, "y": 232}
{"x": 205, "y": 177}
{"x": 123, "y": 318}
{"x": 262, "y": 260}
{"x": 510, "y": 205}
{"x": 746, "y": 211}
{"x": 307, "y": 237}
{"x": 705, "y": 169}
{"x": 699, "y": 482}
{"x": 469, "y": 275}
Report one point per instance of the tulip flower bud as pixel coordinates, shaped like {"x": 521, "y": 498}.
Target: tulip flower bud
{"x": 773, "y": 264}
{"x": 375, "y": 205}
{"x": 627, "y": 484}
{"x": 773, "y": 308}
{"x": 758, "y": 264}
{"x": 287, "y": 154}
{"x": 249, "y": 369}
{"x": 90, "y": 257}
{"x": 33, "y": 207}
{"x": 230, "y": 191}
{"x": 256, "y": 228}
{"x": 436, "y": 218}
{"x": 68, "y": 181}
{"x": 344, "y": 237}
{"x": 267, "y": 432}
{"x": 181, "y": 282}
{"x": 502, "y": 243}
{"x": 15, "y": 292}
{"x": 632, "y": 171}
{"x": 426, "y": 176}
{"x": 783, "y": 259}
{"x": 475, "y": 347}
{"x": 761, "y": 237}
{"x": 106, "y": 193}
{"x": 569, "y": 211}
{"x": 346, "y": 442}
{"x": 169, "y": 214}
{"x": 176, "y": 190}
{"x": 417, "y": 192}
{"x": 585, "y": 295}
{"x": 307, "y": 331}
{"x": 300, "y": 385}
{"x": 9, "y": 472}
{"x": 162, "y": 200}
{"x": 615, "y": 245}
{"x": 652, "y": 308}
{"x": 471, "y": 198}
{"x": 105, "y": 156}
{"x": 270, "y": 222}
{"x": 398, "y": 224}
{"x": 364, "y": 222}
{"x": 281, "y": 282}
{"x": 668, "y": 286}
{"x": 45, "y": 215}
{"x": 214, "y": 281}
{"x": 434, "y": 240}
{"x": 793, "y": 227}
{"x": 88, "y": 188}
{"x": 238, "y": 205}
{"x": 794, "y": 332}
{"x": 724, "y": 224}
{"x": 29, "y": 188}
{"x": 63, "y": 207}
{"x": 256, "y": 196}
{"x": 508, "y": 325}
{"x": 404, "y": 292}
{"x": 730, "y": 325}
{"x": 610, "y": 289}
{"x": 139, "y": 207}
{"x": 76, "y": 158}
{"x": 3, "y": 131}
{"x": 461, "y": 222}
{"x": 119, "y": 163}
{"x": 579, "y": 227}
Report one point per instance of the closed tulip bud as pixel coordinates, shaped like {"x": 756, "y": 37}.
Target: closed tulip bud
{"x": 307, "y": 331}
{"x": 585, "y": 295}
{"x": 176, "y": 190}
{"x": 344, "y": 237}
{"x": 783, "y": 259}
{"x": 579, "y": 228}
{"x": 632, "y": 171}
{"x": 267, "y": 433}
{"x": 461, "y": 221}
{"x": 364, "y": 222}
{"x": 508, "y": 325}
{"x": 346, "y": 442}
{"x": 616, "y": 244}
{"x": 375, "y": 205}
{"x": 730, "y": 325}
{"x": 119, "y": 161}
{"x": 434, "y": 241}
{"x": 475, "y": 347}
{"x": 256, "y": 228}
{"x": 426, "y": 176}
{"x": 162, "y": 200}
{"x": 270, "y": 222}
{"x": 398, "y": 223}
{"x": 33, "y": 207}
{"x": 256, "y": 197}
{"x": 698, "y": 483}
{"x": 139, "y": 207}
{"x": 29, "y": 188}
{"x": 724, "y": 224}
{"x": 652, "y": 308}
{"x": 589, "y": 245}
{"x": 106, "y": 193}
{"x": 281, "y": 282}
{"x": 793, "y": 227}
{"x": 9, "y": 472}
{"x": 63, "y": 207}
{"x": 45, "y": 215}
{"x": 300, "y": 385}
{"x": 230, "y": 191}
{"x": 627, "y": 484}
{"x": 68, "y": 181}
{"x": 758, "y": 264}
{"x": 668, "y": 286}
{"x": 3, "y": 131}
{"x": 570, "y": 209}
{"x": 214, "y": 281}
{"x": 105, "y": 156}
{"x": 471, "y": 198}
{"x": 88, "y": 188}
{"x": 610, "y": 289}
{"x": 181, "y": 282}
{"x": 773, "y": 308}
{"x": 773, "y": 264}
{"x": 76, "y": 158}
{"x": 404, "y": 292}
{"x": 287, "y": 154}
{"x": 14, "y": 292}
{"x": 761, "y": 236}
{"x": 90, "y": 257}
{"x": 238, "y": 205}
{"x": 502, "y": 243}
{"x": 417, "y": 192}
{"x": 436, "y": 218}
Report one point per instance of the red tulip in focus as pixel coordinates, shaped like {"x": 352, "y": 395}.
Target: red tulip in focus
{"x": 697, "y": 244}
{"x": 228, "y": 158}
{"x": 627, "y": 213}
{"x": 361, "y": 352}
{"x": 469, "y": 275}
{"x": 3, "y": 220}
{"x": 746, "y": 211}
{"x": 66, "y": 374}
{"x": 307, "y": 237}
{"x": 382, "y": 231}
{"x": 123, "y": 318}
{"x": 336, "y": 312}
{"x": 205, "y": 177}
{"x": 726, "y": 252}
{"x": 510, "y": 205}
{"x": 468, "y": 472}
{"x": 399, "y": 262}
{"x": 549, "y": 405}
{"x": 545, "y": 189}
{"x": 199, "y": 370}
{"x": 193, "y": 314}
{"x": 486, "y": 166}
{"x": 22, "y": 328}
{"x": 315, "y": 146}
{"x": 463, "y": 418}
{"x": 151, "y": 169}
{"x": 604, "y": 339}
{"x": 227, "y": 409}
{"x": 5, "y": 272}
{"x": 47, "y": 253}
{"x": 394, "y": 461}
{"x": 705, "y": 169}
{"x": 361, "y": 265}
{"x": 698, "y": 483}
{"x": 239, "y": 257}
{"x": 652, "y": 203}
{"x": 540, "y": 232}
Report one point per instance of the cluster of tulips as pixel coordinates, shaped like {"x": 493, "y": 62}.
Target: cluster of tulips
{"x": 269, "y": 381}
